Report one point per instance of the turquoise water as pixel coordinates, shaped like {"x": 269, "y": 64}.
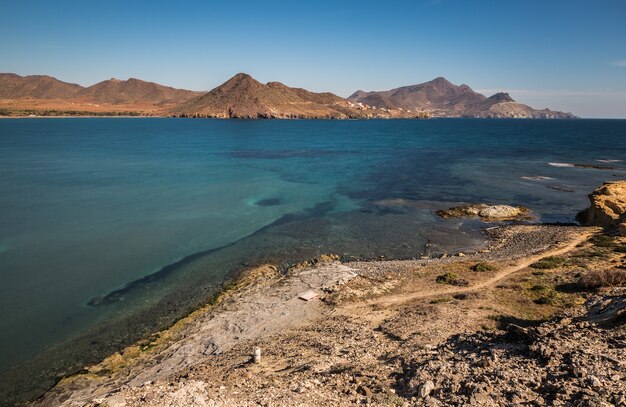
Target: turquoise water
{"x": 112, "y": 228}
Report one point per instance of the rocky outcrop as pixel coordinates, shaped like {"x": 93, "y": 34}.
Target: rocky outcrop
{"x": 570, "y": 360}
{"x": 487, "y": 212}
{"x": 608, "y": 208}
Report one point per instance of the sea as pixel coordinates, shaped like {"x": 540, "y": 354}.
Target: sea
{"x": 114, "y": 228}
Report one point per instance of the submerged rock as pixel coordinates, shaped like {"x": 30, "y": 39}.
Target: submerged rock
{"x": 486, "y": 212}
{"x": 608, "y": 207}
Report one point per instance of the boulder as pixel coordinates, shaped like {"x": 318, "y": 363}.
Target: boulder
{"x": 608, "y": 208}
{"x": 486, "y": 212}
{"x": 500, "y": 212}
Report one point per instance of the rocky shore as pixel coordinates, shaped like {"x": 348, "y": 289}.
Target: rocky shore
{"x": 536, "y": 318}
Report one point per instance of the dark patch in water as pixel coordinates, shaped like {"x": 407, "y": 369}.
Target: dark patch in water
{"x": 561, "y": 188}
{"x": 275, "y": 155}
{"x": 120, "y": 294}
{"x": 318, "y": 210}
{"x": 268, "y": 202}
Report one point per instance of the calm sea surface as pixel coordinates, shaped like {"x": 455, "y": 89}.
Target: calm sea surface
{"x": 113, "y": 228}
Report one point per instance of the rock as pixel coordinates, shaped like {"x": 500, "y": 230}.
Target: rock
{"x": 116, "y": 401}
{"x": 481, "y": 399}
{"x": 500, "y": 212}
{"x": 611, "y": 309}
{"x": 486, "y": 212}
{"x": 426, "y": 388}
{"x": 608, "y": 207}
{"x": 364, "y": 390}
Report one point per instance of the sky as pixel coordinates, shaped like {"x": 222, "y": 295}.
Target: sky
{"x": 566, "y": 55}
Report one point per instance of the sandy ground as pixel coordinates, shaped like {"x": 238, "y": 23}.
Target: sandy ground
{"x": 347, "y": 346}
{"x": 24, "y": 107}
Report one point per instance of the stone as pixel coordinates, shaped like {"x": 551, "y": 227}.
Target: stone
{"x": 257, "y": 355}
{"x": 426, "y": 388}
{"x": 500, "y": 212}
{"x": 486, "y": 212}
{"x": 608, "y": 207}
{"x": 365, "y": 391}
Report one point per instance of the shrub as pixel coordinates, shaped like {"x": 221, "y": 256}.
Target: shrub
{"x": 466, "y": 296}
{"x": 441, "y": 300}
{"x": 548, "y": 263}
{"x": 480, "y": 267}
{"x": 603, "y": 241}
{"x": 451, "y": 279}
{"x": 603, "y": 278}
{"x": 547, "y": 299}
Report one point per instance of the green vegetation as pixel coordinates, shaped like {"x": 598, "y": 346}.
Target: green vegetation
{"x": 480, "y": 267}
{"x": 603, "y": 241}
{"x": 550, "y": 262}
{"x": 539, "y": 273}
{"x": 451, "y": 279}
{"x": 441, "y": 300}
{"x": 539, "y": 287}
{"x": 551, "y": 298}
{"x": 54, "y": 112}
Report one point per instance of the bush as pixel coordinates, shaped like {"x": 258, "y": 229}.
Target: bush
{"x": 451, "y": 279}
{"x": 603, "y": 241}
{"x": 603, "y": 278}
{"x": 551, "y": 299}
{"x": 548, "y": 263}
{"x": 441, "y": 300}
{"x": 480, "y": 267}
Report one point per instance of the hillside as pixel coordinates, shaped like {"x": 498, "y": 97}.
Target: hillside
{"x": 115, "y": 91}
{"x": 244, "y": 97}
{"x": 48, "y": 96}
{"x": 441, "y": 98}
{"x": 14, "y": 86}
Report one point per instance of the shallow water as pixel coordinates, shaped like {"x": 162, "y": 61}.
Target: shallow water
{"x": 112, "y": 228}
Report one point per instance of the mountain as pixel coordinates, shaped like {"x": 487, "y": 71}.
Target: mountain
{"x": 242, "y": 96}
{"x": 14, "y": 86}
{"x": 45, "y": 95}
{"x": 134, "y": 91}
{"x": 440, "y": 98}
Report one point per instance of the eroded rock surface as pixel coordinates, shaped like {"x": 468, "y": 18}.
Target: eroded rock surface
{"x": 576, "y": 358}
{"x": 608, "y": 207}
{"x": 486, "y": 212}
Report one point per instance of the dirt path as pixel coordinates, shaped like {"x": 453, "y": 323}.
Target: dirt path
{"x": 389, "y": 300}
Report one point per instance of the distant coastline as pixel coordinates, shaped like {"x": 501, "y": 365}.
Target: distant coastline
{"x": 243, "y": 97}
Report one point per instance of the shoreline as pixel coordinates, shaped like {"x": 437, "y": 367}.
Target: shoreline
{"x": 135, "y": 365}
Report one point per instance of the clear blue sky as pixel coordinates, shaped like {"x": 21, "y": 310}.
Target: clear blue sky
{"x": 563, "y": 54}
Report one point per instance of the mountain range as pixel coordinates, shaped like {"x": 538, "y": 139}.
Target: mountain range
{"x": 441, "y": 98}
{"x": 244, "y": 97}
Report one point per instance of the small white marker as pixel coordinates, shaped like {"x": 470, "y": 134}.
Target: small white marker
{"x": 308, "y": 296}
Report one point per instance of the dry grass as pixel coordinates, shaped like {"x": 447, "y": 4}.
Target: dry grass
{"x": 549, "y": 262}
{"x": 603, "y": 278}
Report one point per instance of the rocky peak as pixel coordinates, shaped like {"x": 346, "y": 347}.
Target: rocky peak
{"x": 502, "y": 97}
{"x": 441, "y": 83}
{"x": 240, "y": 82}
